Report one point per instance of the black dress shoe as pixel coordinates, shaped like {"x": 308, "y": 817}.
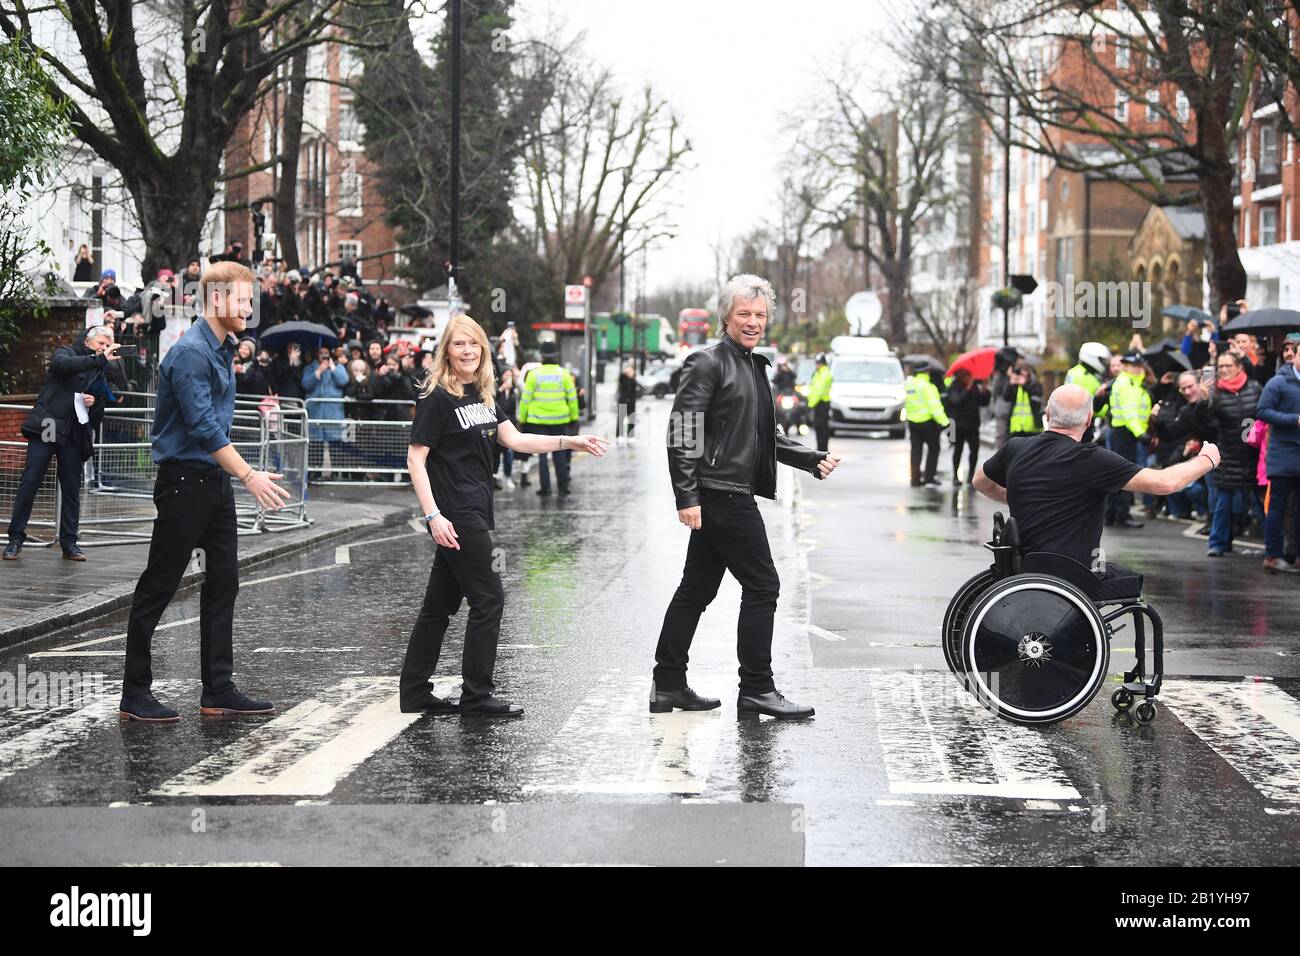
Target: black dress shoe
{"x": 543, "y": 492}
{"x": 773, "y": 704}
{"x": 663, "y": 701}
{"x": 564, "y": 490}
{"x": 12, "y": 550}
{"x": 233, "y": 701}
{"x": 1129, "y": 523}
{"x": 491, "y": 707}
{"x": 433, "y": 705}
{"x": 72, "y": 552}
{"x": 146, "y": 709}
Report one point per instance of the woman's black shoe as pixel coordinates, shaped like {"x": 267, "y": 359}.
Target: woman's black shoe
{"x": 491, "y": 707}
{"x": 663, "y": 701}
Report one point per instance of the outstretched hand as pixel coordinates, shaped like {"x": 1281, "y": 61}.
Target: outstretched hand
{"x": 591, "y": 444}
{"x": 826, "y": 466}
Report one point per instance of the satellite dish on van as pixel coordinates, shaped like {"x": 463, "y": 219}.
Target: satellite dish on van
{"x": 863, "y": 311}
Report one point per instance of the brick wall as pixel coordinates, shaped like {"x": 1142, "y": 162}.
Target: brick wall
{"x": 29, "y": 357}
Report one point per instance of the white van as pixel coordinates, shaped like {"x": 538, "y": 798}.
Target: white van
{"x": 867, "y": 392}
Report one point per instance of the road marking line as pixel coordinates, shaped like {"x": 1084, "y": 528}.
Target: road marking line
{"x": 611, "y": 743}
{"x": 307, "y": 750}
{"x": 823, "y": 633}
{"x": 341, "y": 555}
{"x": 937, "y": 739}
{"x": 304, "y": 650}
{"x": 1254, "y": 726}
{"x": 54, "y": 736}
{"x": 290, "y": 574}
{"x": 111, "y": 637}
{"x": 121, "y": 653}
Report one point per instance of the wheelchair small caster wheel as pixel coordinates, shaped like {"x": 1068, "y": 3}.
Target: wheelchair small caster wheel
{"x": 1145, "y": 712}
{"x": 1122, "y": 699}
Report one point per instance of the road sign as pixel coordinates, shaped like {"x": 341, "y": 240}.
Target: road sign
{"x": 575, "y": 301}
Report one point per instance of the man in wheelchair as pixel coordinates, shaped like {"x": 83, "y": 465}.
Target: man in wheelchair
{"x": 1030, "y": 637}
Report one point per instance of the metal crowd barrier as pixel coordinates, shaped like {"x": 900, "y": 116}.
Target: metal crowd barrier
{"x": 117, "y": 488}
{"x": 346, "y": 448}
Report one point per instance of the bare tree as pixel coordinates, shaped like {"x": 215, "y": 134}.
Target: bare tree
{"x": 1164, "y": 84}
{"x": 595, "y": 167}
{"x": 160, "y": 111}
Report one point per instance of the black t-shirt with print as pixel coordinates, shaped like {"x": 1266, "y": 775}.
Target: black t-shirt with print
{"x": 1056, "y": 490}
{"x": 460, "y": 433}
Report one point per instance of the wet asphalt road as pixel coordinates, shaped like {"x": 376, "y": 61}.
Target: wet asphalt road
{"x": 899, "y": 767}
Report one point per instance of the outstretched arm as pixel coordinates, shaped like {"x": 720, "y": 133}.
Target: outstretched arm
{"x": 530, "y": 444}
{"x": 988, "y": 487}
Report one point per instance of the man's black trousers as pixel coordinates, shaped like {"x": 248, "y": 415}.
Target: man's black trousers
{"x": 732, "y": 538}
{"x": 39, "y": 454}
{"x": 925, "y": 438}
{"x": 196, "y": 512}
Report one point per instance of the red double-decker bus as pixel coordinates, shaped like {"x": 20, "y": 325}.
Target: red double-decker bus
{"x": 692, "y": 328}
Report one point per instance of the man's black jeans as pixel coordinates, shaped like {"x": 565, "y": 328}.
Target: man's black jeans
{"x": 732, "y": 538}
{"x": 39, "y": 454}
{"x": 455, "y": 576}
{"x": 196, "y": 510}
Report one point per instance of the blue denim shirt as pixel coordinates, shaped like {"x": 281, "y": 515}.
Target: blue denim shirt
{"x": 196, "y": 398}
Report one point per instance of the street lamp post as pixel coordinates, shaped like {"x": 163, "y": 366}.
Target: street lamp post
{"x": 453, "y": 189}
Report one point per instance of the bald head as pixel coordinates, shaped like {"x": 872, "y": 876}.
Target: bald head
{"x": 1068, "y": 409}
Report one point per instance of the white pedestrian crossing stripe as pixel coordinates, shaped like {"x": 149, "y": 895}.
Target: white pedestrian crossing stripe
{"x": 1253, "y": 725}
{"x": 308, "y": 749}
{"x": 33, "y": 734}
{"x": 937, "y": 739}
{"x": 612, "y": 743}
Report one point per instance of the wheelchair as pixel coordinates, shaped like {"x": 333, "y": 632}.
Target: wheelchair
{"x": 1030, "y": 636}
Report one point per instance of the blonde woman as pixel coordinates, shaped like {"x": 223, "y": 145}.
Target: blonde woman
{"x": 457, "y": 422}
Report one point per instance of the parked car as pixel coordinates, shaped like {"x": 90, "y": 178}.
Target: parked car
{"x": 659, "y": 380}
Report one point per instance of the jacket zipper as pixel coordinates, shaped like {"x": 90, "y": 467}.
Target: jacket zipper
{"x": 717, "y": 445}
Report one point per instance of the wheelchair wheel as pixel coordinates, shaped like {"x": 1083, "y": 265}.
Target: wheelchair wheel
{"x": 1034, "y": 649}
{"x": 955, "y": 618}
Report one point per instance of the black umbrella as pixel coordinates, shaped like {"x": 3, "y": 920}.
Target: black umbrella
{"x": 921, "y": 361}
{"x": 1184, "y": 312}
{"x": 310, "y": 335}
{"x": 417, "y": 311}
{"x": 1167, "y": 356}
{"x": 1262, "y": 320}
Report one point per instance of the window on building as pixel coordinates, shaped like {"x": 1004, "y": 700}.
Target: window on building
{"x": 349, "y": 189}
{"x": 1267, "y": 225}
{"x": 351, "y": 248}
{"x": 1183, "y": 106}
{"x": 1121, "y": 105}
{"x": 350, "y": 131}
{"x": 1153, "y": 105}
{"x": 1121, "y": 53}
{"x": 1268, "y": 149}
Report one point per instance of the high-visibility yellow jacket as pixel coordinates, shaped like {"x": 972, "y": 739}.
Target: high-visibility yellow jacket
{"x": 549, "y": 397}
{"x": 923, "y": 401}
{"x": 1130, "y": 404}
{"x": 1022, "y": 414}
{"x": 819, "y": 388}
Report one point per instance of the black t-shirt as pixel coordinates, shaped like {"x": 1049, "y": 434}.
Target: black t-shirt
{"x": 460, "y": 433}
{"x": 1056, "y": 489}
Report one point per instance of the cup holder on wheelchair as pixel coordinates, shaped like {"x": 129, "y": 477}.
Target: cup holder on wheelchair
{"x": 1034, "y": 646}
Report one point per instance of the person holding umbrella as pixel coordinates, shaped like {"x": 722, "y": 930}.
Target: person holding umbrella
{"x": 457, "y": 423}
{"x": 965, "y": 398}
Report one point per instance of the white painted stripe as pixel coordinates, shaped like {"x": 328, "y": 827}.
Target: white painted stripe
{"x": 823, "y": 633}
{"x": 1237, "y": 542}
{"x": 1253, "y": 725}
{"x": 281, "y": 577}
{"x": 305, "y": 650}
{"x": 121, "y": 653}
{"x": 341, "y": 555}
{"x": 418, "y": 529}
{"x": 305, "y": 751}
{"x": 59, "y": 734}
{"x": 937, "y": 739}
{"x": 611, "y": 743}
{"x": 115, "y": 637}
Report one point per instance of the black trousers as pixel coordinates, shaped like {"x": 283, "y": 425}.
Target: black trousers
{"x": 1124, "y": 444}
{"x": 962, "y": 438}
{"x": 196, "y": 511}
{"x": 39, "y": 454}
{"x": 469, "y": 573}
{"x": 822, "y": 425}
{"x": 561, "y": 458}
{"x": 925, "y": 438}
{"x": 732, "y": 538}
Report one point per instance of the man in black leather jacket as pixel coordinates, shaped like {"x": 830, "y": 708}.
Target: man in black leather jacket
{"x": 54, "y": 428}
{"x": 722, "y": 451}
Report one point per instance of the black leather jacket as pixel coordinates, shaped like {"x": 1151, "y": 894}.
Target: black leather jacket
{"x": 722, "y": 432}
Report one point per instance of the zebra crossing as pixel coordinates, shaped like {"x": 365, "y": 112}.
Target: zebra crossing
{"x": 934, "y": 742}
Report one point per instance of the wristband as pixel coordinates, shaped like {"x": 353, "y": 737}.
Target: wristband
{"x": 251, "y": 472}
{"x": 561, "y": 443}
{"x": 429, "y": 517}
{"x": 1213, "y": 464}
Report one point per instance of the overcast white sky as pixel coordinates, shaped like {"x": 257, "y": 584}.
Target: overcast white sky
{"x": 723, "y": 64}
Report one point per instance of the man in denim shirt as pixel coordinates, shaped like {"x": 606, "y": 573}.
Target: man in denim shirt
{"x": 193, "y": 413}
